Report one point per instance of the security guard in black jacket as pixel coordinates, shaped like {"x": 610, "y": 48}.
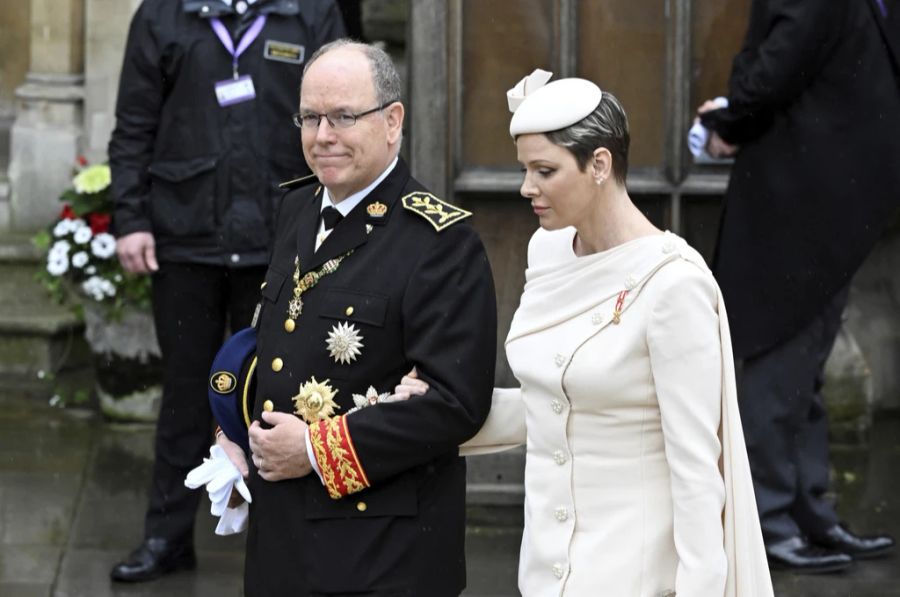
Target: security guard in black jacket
{"x": 202, "y": 138}
{"x": 371, "y": 275}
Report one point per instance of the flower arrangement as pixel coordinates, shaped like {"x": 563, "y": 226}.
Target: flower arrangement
{"x": 81, "y": 252}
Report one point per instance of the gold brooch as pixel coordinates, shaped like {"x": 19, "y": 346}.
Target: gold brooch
{"x": 344, "y": 343}
{"x": 377, "y": 209}
{"x": 315, "y": 401}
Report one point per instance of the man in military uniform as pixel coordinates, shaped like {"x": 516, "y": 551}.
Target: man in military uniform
{"x": 370, "y": 276}
{"x": 202, "y": 139}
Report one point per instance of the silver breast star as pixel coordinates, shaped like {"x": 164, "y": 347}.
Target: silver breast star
{"x": 344, "y": 343}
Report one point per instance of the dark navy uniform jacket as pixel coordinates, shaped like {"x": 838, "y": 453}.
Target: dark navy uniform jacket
{"x": 203, "y": 178}
{"x": 417, "y": 291}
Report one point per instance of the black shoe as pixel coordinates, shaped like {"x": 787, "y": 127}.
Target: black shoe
{"x": 153, "y": 558}
{"x": 840, "y": 538}
{"x": 797, "y": 555}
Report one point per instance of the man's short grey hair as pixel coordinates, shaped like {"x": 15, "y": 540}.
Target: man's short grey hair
{"x": 384, "y": 74}
{"x": 606, "y": 126}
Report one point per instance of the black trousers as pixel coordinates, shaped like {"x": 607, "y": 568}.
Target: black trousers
{"x": 786, "y": 428}
{"x": 192, "y": 307}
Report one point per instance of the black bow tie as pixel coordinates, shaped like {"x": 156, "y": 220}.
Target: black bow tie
{"x": 331, "y": 217}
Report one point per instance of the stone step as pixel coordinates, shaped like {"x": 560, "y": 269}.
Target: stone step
{"x": 37, "y": 336}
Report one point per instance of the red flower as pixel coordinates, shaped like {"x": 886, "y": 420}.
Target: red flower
{"x": 99, "y": 222}
{"x": 67, "y": 213}
{"x": 82, "y": 161}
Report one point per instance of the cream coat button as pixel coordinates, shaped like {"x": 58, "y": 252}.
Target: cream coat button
{"x": 558, "y": 570}
{"x": 597, "y": 318}
{"x": 561, "y": 514}
{"x": 560, "y": 360}
{"x": 559, "y": 457}
{"x": 557, "y": 406}
{"x": 630, "y": 282}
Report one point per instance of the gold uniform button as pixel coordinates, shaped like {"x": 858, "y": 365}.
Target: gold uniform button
{"x": 277, "y": 364}
{"x": 361, "y": 506}
{"x": 268, "y": 406}
{"x": 349, "y": 311}
{"x": 289, "y": 325}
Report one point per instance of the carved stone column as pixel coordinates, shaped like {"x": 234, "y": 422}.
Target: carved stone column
{"x": 106, "y": 30}
{"x": 46, "y": 135}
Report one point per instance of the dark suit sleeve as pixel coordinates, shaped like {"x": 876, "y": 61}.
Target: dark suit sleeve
{"x": 798, "y": 38}
{"x": 138, "y": 108}
{"x": 449, "y": 330}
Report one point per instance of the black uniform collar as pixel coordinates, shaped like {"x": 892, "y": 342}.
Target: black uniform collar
{"x": 352, "y": 231}
{"x": 217, "y": 8}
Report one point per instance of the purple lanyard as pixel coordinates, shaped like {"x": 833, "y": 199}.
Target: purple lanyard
{"x": 248, "y": 38}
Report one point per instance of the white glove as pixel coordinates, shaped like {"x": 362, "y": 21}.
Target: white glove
{"x": 220, "y": 475}
{"x": 698, "y": 137}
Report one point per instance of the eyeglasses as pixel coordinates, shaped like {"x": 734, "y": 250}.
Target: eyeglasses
{"x": 339, "y": 120}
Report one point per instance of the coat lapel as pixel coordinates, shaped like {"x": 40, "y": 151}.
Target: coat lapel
{"x": 351, "y": 232}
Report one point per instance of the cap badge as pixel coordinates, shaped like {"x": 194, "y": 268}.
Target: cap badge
{"x": 222, "y": 382}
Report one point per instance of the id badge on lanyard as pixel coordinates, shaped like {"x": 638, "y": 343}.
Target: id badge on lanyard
{"x": 238, "y": 88}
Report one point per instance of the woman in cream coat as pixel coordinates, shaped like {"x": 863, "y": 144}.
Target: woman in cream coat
{"x": 636, "y": 475}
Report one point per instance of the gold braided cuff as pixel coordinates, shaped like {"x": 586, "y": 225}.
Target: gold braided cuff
{"x": 333, "y": 449}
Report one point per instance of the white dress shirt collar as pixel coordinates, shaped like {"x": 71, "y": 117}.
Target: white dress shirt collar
{"x": 347, "y": 205}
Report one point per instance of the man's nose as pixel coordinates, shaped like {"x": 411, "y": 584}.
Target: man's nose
{"x": 324, "y": 131}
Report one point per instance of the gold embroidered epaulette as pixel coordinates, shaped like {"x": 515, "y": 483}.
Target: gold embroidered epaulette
{"x": 299, "y": 182}
{"x": 333, "y": 449}
{"x": 439, "y": 213}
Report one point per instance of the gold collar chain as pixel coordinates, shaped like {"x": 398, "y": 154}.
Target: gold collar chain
{"x": 310, "y": 279}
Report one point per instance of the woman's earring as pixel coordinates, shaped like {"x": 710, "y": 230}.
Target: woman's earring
{"x": 600, "y": 180}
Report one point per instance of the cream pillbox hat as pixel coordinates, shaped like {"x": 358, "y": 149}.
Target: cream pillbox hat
{"x": 541, "y": 107}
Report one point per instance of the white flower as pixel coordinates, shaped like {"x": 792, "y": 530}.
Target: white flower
{"x": 82, "y": 234}
{"x": 103, "y": 245}
{"x": 79, "y": 259}
{"x": 108, "y": 287}
{"x": 60, "y": 247}
{"x": 90, "y": 270}
{"x": 57, "y": 264}
{"x": 62, "y": 228}
{"x": 93, "y": 287}
{"x": 117, "y": 278}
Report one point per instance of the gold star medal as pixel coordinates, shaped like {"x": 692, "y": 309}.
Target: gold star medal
{"x": 344, "y": 342}
{"x": 315, "y": 401}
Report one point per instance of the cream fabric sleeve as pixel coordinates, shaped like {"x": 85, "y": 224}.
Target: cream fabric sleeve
{"x": 686, "y": 361}
{"x": 504, "y": 428}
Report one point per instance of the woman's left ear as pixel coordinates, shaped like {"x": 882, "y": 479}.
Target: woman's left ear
{"x": 601, "y": 164}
